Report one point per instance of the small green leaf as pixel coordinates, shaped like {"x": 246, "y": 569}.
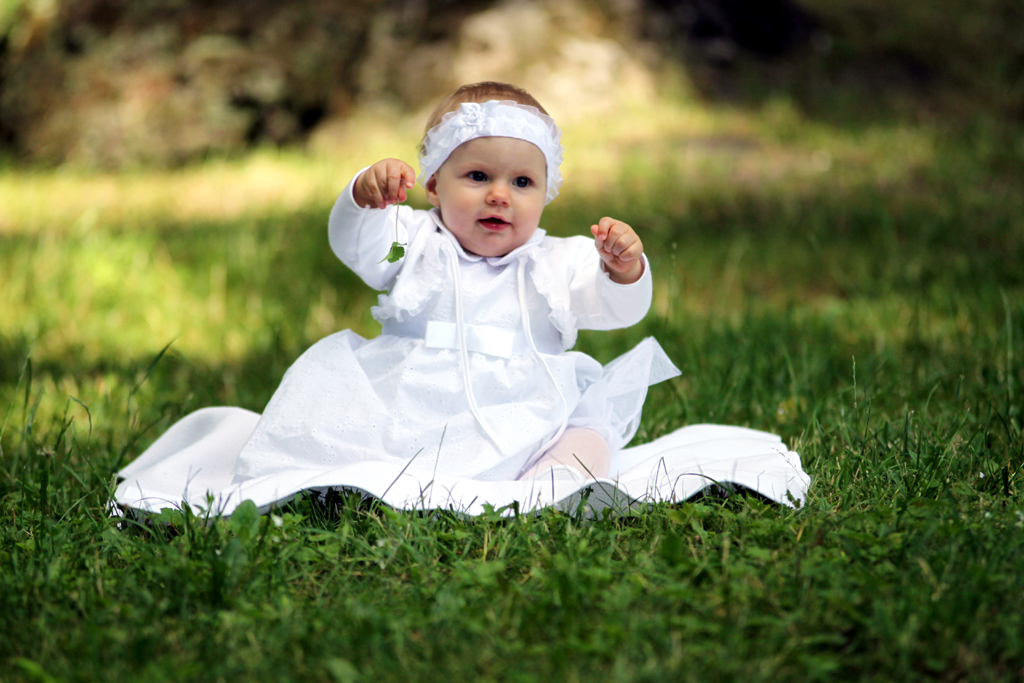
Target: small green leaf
{"x": 397, "y": 252}
{"x": 245, "y": 521}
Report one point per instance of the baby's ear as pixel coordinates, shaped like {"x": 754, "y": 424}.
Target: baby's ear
{"x": 431, "y": 188}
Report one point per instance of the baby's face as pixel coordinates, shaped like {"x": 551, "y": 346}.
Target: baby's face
{"x": 491, "y": 193}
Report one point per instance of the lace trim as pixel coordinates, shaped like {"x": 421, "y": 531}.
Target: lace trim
{"x": 416, "y": 284}
{"x": 414, "y": 288}
{"x": 546, "y": 281}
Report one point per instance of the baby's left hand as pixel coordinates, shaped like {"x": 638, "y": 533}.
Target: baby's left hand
{"x": 620, "y": 248}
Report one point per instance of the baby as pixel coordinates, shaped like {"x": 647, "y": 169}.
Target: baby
{"x": 490, "y": 164}
{"x": 471, "y": 395}
{"x": 490, "y": 193}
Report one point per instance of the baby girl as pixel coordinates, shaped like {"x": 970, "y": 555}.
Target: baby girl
{"x": 490, "y": 169}
{"x": 483, "y": 306}
{"x": 470, "y": 394}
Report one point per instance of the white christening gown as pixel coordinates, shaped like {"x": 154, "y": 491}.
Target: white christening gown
{"x": 394, "y": 417}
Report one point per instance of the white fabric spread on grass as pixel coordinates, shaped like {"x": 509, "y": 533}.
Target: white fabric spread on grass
{"x": 395, "y": 418}
{"x": 196, "y": 457}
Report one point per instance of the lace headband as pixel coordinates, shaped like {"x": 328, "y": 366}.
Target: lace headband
{"x": 505, "y": 119}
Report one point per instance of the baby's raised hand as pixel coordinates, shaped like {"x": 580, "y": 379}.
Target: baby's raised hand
{"x": 383, "y": 183}
{"x": 620, "y": 248}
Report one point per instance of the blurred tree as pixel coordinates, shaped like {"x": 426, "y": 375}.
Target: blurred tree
{"x": 118, "y": 82}
{"x": 721, "y": 28}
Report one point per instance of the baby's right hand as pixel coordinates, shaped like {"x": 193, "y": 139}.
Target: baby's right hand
{"x": 383, "y": 183}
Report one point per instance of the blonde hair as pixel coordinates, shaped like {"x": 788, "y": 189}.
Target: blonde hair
{"x": 480, "y": 93}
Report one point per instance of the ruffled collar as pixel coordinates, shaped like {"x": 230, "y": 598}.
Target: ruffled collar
{"x": 535, "y": 239}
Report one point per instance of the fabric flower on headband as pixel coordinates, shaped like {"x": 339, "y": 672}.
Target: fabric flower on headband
{"x": 494, "y": 118}
{"x": 472, "y": 114}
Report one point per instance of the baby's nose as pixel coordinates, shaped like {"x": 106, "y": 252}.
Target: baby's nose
{"x": 498, "y": 195}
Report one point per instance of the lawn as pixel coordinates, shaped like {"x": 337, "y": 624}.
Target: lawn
{"x": 856, "y": 286}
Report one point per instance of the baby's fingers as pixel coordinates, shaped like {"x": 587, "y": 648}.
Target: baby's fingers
{"x": 630, "y": 253}
{"x": 618, "y": 237}
{"x": 369, "y": 187}
{"x": 603, "y": 233}
{"x": 387, "y": 184}
{"x": 383, "y": 183}
{"x": 623, "y": 243}
{"x": 398, "y": 177}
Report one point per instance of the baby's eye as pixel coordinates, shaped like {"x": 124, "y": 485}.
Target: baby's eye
{"x": 522, "y": 181}
{"x": 478, "y": 176}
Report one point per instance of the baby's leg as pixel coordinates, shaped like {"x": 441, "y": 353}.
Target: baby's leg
{"x": 582, "y": 449}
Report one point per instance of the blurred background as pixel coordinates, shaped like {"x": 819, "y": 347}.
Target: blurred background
{"x": 815, "y": 179}
{"x": 113, "y": 84}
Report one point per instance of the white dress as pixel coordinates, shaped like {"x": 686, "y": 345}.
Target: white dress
{"x": 394, "y": 417}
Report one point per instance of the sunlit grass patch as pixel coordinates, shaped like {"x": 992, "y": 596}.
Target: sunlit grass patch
{"x": 101, "y": 264}
{"x": 701, "y": 149}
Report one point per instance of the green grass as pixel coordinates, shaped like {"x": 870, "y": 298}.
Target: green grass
{"x": 858, "y": 290}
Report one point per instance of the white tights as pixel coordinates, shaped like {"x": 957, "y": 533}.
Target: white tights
{"x": 582, "y": 449}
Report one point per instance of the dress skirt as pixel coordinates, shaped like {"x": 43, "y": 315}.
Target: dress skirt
{"x": 388, "y": 418}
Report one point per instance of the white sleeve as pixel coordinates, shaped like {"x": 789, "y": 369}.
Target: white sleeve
{"x": 602, "y": 304}
{"x": 362, "y": 238}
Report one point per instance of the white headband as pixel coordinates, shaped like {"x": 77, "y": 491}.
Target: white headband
{"x": 504, "y": 119}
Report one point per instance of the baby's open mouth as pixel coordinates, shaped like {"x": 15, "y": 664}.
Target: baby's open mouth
{"x": 494, "y": 222}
